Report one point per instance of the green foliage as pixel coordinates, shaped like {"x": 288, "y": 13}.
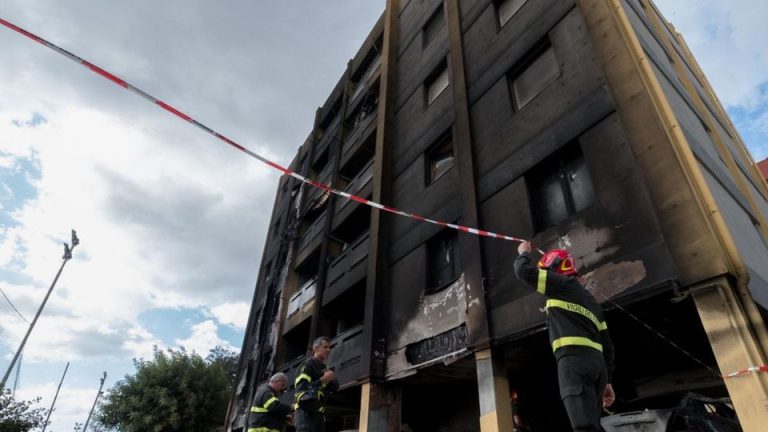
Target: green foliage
{"x": 175, "y": 391}
{"x": 19, "y": 416}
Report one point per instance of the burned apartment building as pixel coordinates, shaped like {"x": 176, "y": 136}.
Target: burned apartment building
{"x": 583, "y": 124}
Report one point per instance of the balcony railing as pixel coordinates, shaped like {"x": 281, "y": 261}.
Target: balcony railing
{"x": 331, "y": 132}
{"x": 304, "y": 295}
{"x": 357, "y": 135}
{"x": 357, "y": 184}
{"x": 313, "y": 193}
{"x": 312, "y": 233}
{"x": 347, "y": 269}
{"x": 345, "y": 355}
{"x": 363, "y": 83}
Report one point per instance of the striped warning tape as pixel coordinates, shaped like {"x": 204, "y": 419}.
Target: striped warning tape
{"x": 748, "y": 370}
{"x": 124, "y": 84}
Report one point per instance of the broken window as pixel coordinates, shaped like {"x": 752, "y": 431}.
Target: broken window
{"x": 433, "y": 25}
{"x": 442, "y": 268}
{"x": 559, "y": 187}
{"x": 537, "y": 70}
{"x": 506, "y": 9}
{"x": 440, "y": 158}
{"x": 437, "y": 82}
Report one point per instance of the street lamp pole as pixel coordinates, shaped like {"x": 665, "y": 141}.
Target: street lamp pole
{"x": 67, "y": 256}
{"x": 45, "y": 425}
{"x": 85, "y": 428}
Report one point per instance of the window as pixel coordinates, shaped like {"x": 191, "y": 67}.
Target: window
{"x": 433, "y": 25}
{"x": 439, "y": 158}
{"x": 559, "y": 187}
{"x": 437, "y": 82}
{"x": 506, "y": 9}
{"x": 442, "y": 268}
{"x": 535, "y": 72}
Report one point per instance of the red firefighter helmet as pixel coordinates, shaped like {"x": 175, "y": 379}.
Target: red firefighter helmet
{"x": 560, "y": 261}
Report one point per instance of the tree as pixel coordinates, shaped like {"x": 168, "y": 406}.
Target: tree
{"x": 19, "y": 416}
{"x": 175, "y": 391}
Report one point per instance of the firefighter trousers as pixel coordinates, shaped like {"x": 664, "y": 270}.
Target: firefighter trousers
{"x": 307, "y": 421}
{"x": 582, "y": 381}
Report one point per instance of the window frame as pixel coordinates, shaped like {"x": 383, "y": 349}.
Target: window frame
{"x": 436, "y": 74}
{"x": 557, "y": 163}
{"x": 433, "y": 246}
{"x": 444, "y": 142}
{"x": 498, "y": 6}
{"x": 524, "y": 65}
{"x": 432, "y": 27}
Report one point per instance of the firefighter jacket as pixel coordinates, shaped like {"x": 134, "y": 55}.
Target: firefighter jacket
{"x": 268, "y": 414}
{"x": 575, "y": 319}
{"x": 311, "y": 393}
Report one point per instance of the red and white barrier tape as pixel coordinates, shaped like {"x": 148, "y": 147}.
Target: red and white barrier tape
{"x": 284, "y": 170}
{"x": 748, "y": 370}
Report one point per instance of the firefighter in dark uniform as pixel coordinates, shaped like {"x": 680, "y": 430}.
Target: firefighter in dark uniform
{"x": 578, "y": 334}
{"x": 268, "y": 414}
{"x": 314, "y": 383}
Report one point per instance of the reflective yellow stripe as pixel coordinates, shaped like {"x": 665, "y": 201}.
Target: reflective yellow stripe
{"x": 270, "y": 402}
{"x": 542, "y": 288}
{"x": 579, "y": 309}
{"x": 302, "y": 377}
{"x": 265, "y": 407}
{"x": 262, "y": 429}
{"x": 575, "y": 340}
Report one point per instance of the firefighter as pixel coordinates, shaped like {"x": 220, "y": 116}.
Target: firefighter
{"x": 268, "y": 414}
{"x": 314, "y": 383}
{"x": 577, "y": 332}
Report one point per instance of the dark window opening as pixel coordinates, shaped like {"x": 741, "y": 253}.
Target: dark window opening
{"x": 332, "y": 114}
{"x": 433, "y": 26}
{"x": 345, "y": 311}
{"x": 296, "y": 341}
{"x": 320, "y": 163}
{"x": 436, "y": 82}
{"x": 506, "y": 9}
{"x": 368, "y": 106}
{"x": 559, "y": 187}
{"x": 533, "y": 73}
{"x": 440, "y": 158}
{"x": 442, "y": 268}
{"x": 360, "y": 158}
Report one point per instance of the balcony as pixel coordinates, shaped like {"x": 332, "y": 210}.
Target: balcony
{"x": 357, "y": 136}
{"x": 311, "y": 239}
{"x": 347, "y": 269}
{"x": 314, "y": 196}
{"x": 300, "y": 307}
{"x": 332, "y": 132}
{"x": 304, "y": 295}
{"x": 346, "y": 349}
{"x": 366, "y": 80}
{"x": 361, "y": 185}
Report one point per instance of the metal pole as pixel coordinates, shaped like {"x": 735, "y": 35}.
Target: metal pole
{"x": 18, "y": 372}
{"x": 45, "y": 425}
{"x": 67, "y": 257}
{"x": 85, "y": 428}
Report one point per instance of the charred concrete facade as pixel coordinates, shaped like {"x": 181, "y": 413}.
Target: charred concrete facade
{"x": 583, "y": 124}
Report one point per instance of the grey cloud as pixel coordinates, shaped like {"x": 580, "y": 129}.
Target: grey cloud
{"x": 198, "y": 247}
{"x": 257, "y": 70}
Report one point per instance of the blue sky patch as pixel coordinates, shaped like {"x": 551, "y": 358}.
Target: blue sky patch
{"x": 36, "y": 120}
{"x": 171, "y": 324}
{"x": 753, "y": 128}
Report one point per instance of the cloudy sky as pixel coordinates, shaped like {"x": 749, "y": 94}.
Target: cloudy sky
{"x": 171, "y": 221}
